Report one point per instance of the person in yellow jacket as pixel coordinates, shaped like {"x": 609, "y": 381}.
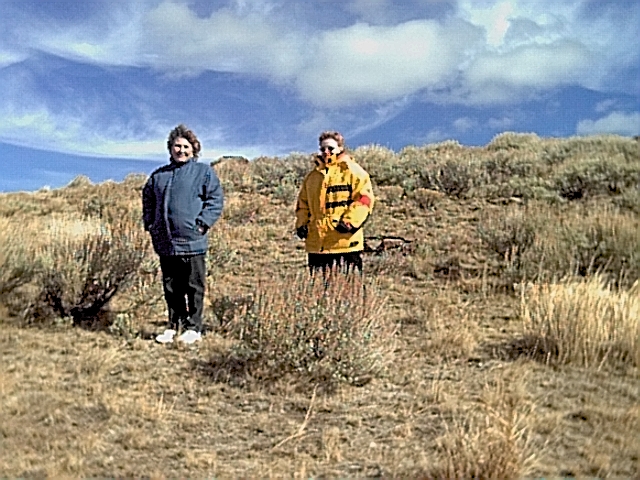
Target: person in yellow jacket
{"x": 334, "y": 202}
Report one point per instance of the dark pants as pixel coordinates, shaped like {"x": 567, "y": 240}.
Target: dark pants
{"x": 340, "y": 262}
{"x": 183, "y": 279}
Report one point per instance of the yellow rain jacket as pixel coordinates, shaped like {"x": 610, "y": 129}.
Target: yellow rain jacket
{"x": 338, "y": 189}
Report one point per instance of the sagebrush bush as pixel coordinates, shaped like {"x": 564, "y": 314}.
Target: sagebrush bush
{"x": 17, "y": 265}
{"x": 220, "y": 254}
{"x": 235, "y": 176}
{"x": 511, "y": 165}
{"x": 272, "y": 173}
{"x": 542, "y": 243}
{"x": 81, "y": 273}
{"x": 600, "y": 240}
{"x": 391, "y": 195}
{"x": 242, "y": 209}
{"x": 514, "y": 140}
{"x": 455, "y": 178}
{"x": 425, "y": 199}
{"x": 602, "y": 175}
{"x": 381, "y": 163}
{"x": 510, "y": 236}
{"x": 328, "y": 333}
{"x": 583, "y": 322}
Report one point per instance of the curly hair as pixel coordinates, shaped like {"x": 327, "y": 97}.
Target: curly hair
{"x": 337, "y": 136}
{"x": 181, "y": 131}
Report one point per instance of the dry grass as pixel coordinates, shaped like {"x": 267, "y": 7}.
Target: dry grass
{"x": 583, "y": 322}
{"x": 451, "y": 389}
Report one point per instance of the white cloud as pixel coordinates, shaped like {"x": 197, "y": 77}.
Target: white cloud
{"x": 363, "y": 64}
{"x": 494, "y": 18}
{"x": 532, "y": 47}
{"x": 487, "y": 52}
{"x": 177, "y": 40}
{"x": 501, "y": 123}
{"x": 525, "y": 46}
{"x": 8, "y": 57}
{"x": 75, "y": 135}
{"x": 71, "y": 134}
{"x": 464, "y": 124}
{"x": 436, "y": 135}
{"x": 111, "y": 41}
{"x": 526, "y": 68}
{"x": 619, "y": 123}
{"x": 605, "y": 105}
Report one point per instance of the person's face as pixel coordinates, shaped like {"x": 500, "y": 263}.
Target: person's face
{"x": 181, "y": 150}
{"x": 329, "y": 147}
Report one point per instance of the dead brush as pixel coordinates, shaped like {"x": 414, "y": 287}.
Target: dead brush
{"x": 583, "y": 322}
{"x": 330, "y": 331}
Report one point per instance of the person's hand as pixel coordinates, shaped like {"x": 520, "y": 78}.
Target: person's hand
{"x": 302, "y": 231}
{"x": 201, "y": 227}
{"x": 344, "y": 227}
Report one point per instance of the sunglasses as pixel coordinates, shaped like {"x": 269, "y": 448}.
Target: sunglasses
{"x": 331, "y": 149}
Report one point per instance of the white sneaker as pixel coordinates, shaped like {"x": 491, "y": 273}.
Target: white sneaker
{"x": 166, "y": 336}
{"x": 190, "y": 336}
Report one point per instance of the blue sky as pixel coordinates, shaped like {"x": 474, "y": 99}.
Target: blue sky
{"x": 94, "y": 87}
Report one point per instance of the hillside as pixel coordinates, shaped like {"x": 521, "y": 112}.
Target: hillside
{"x": 499, "y": 339}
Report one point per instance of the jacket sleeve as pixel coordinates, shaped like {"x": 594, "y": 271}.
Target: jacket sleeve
{"x": 148, "y": 204}
{"x": 302, "y": 206}
{"x": 212, "y": 199}
{"x": 363, "y": 200}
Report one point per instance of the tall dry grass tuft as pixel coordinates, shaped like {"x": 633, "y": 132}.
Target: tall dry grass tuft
{"x": 583, "y": 322}
{"x": 338, "y": 331}
{"x": 490, "y": 446}
{"x": 492, "y": 441}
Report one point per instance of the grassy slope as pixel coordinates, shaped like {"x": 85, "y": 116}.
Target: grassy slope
{"x": 90, "y": 403}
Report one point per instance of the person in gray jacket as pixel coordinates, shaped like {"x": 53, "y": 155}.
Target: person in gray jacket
{"x": 180, "y": 203}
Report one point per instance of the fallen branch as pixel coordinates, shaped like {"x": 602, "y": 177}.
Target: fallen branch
{"x": 386, "y": 243}
{"x": 303, "y": 426}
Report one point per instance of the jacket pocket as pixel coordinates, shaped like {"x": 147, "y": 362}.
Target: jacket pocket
{"x": 186, "y": 231}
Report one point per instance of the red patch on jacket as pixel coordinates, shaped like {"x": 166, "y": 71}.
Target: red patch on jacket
{"x": 364, "y": 200}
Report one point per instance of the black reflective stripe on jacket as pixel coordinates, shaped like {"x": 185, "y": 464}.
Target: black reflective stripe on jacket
{"x": 338, "y": 188}
{"x": 343, "y": 203}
